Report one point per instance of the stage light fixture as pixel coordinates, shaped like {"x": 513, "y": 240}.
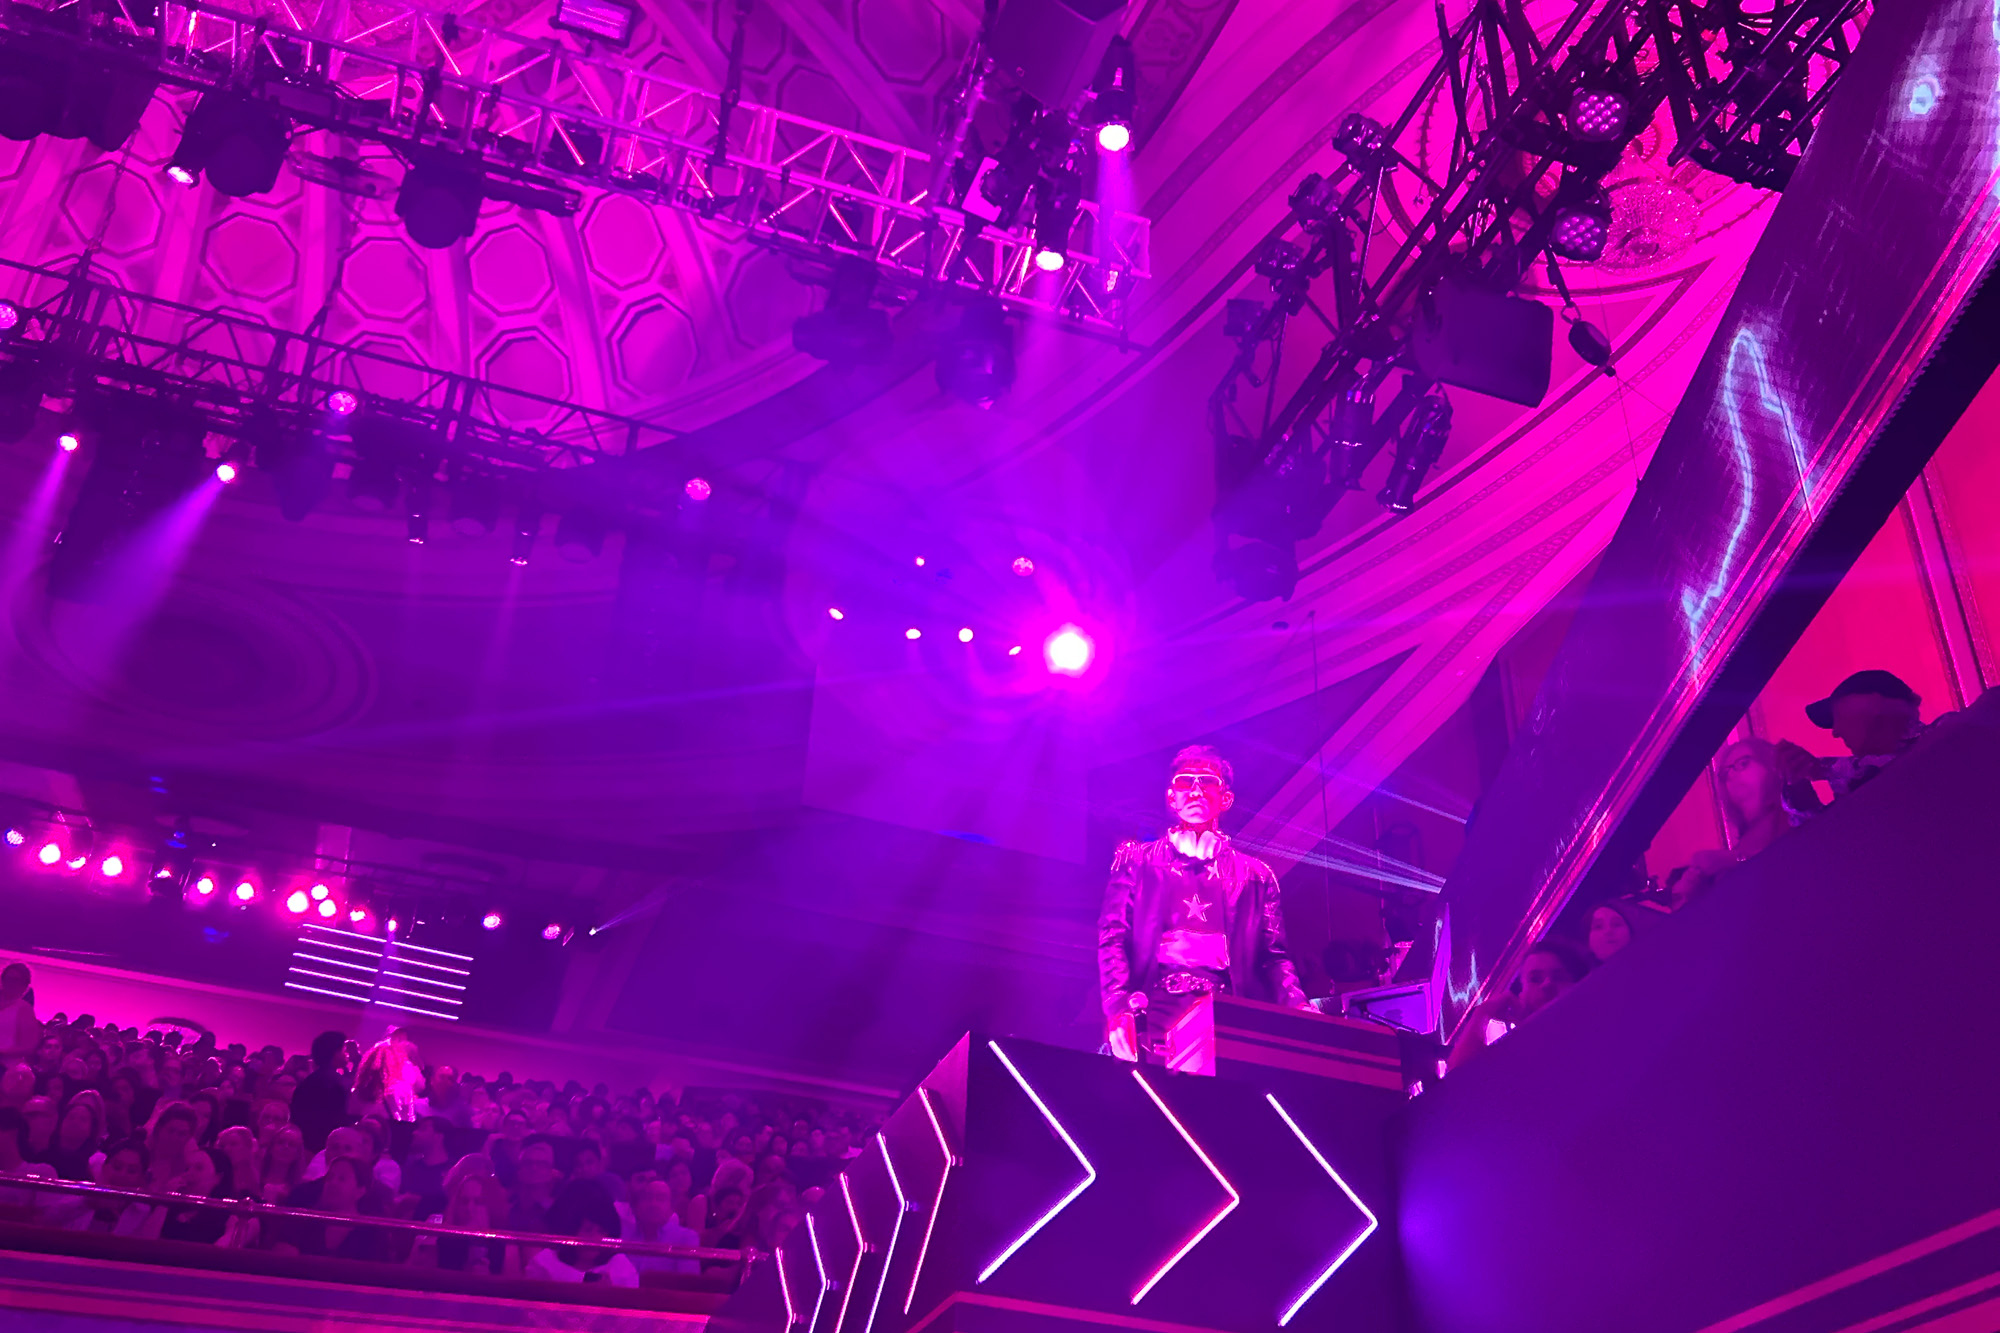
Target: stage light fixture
{"x": 1015, "y": 651}
{"x": 491, "y": 921}
{"x": 237, "y": 142}
{"x": 913, "y": 634}
{"x": 15, "y": 837}
{"x": 77, "y": 862}
{"x": 418, "y": 527}
{"x": 965, "y": 635}
{"x": 50, "y": 853}
{"x": 68, "y": 442}
{"x": 343, "y": 402}
{"x": 392, "y": 925}
{"x": 1069, "y": 651}
{"x": 225, "y": 472}
{"x": 698, "y": 490}
{"x": 975, "y": 361}
{"x": 374, "y": 482}
{"x": 298, "y": 902}
{"x": 10, "y": 319}
{"x": 580, "y": 535}
{"x": 527, "y": 525}
{"x": 319, "y": 893}
{"x": 1582, "y": 229}
{"x": 1023, "y": 566}
{"x": 552, "y": 931}
{"x": 1112, "y": 101}
{"x": 329, "y": 909}
{"x": 439, "y": 199}
{"x": 1058, "y": 196}
{"x": 111, "y": 867}
{"x": 1598, "y": 114}
{"x": 245, "y": 892}
{"x": 849, "y": 331}
{"x": 205, "y": 886}
{"x": 1421, "y": 443}
{"x": 836, "y": 613}
{"x": 357, "y": 915}
{"x": 1114, "y": 137}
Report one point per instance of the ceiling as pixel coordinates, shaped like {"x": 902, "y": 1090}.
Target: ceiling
{"x": 599, "y": 713}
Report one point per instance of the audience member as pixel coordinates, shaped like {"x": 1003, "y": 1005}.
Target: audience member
{"x": 320, "y": 1103}
{"x": 475, "y": 1202}
{"x": 582, "y": 1211}
{"x": 536, "y": 1184}
{"x": 341, "y": 1193}
{"x": 20, "y": 1031}
{"x": 1614, "y": 923}
{"x": 1874, "y": 714}
{"x": 655, "y": 1220}
{"x": 168, "y": 1141}
{"x": 1550, "y": 968}
{"x": 79, "y": 1137}
{"x": 17, "y": 1085}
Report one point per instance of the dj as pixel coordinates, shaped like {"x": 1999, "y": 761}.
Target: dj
{"x": 1187, "y": 915}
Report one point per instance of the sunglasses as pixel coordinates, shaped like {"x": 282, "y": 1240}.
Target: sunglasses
{"x": 1197, "y": 782}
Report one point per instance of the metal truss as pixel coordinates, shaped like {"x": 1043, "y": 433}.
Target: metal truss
{"x": 1742, "y": 93}
{"x": 547, "y": 121}
{"x": 241, "y": 376}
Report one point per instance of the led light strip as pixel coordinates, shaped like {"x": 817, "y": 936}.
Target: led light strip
{"x": 860, "y": 1253}
{"x": 331, "y": 976}
{"x": 1089, "y": 1171}
{"x": 895, "y": 1232}
{"x": 421, "y": 981}
{"x": 412, "y": 1009}
{"x": 1220, "y": 1179}
{"x": 435, "y": 953}
{"x": 930, "y": 1223}
{"x": 785, "y": 1287}
{"x": 338, "y": 995}
{"x": 397, "y": 957}
{"x": 812, "y": 1234}
{"x": 1352, "y": 1245}
{"x": 332, "y": 962}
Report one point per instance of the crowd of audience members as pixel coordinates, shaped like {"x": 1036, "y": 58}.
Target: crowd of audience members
{"x": 1765, "y": 791}
{"x": 345, "y": 1134}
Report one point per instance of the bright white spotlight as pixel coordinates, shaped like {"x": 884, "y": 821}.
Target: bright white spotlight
{"x": 965, "y": 635}
{"x": 245, "y": 891}
{"x": 1015, "y": 651}
{"x": 15, "y": 837}
{"x": 1050, "y": 261}
{"x": 1113, "y": 137}
{"x": 393, "y": 925}
{"x": 836, "y": 613}
{"x": 112, "y": 866}
{"x": 342, "y": 402}
{"x": 329, "y": 908}
{"x": 1069, "y": 651}
{"x": 913, "y": 634}
{"x": 10, "y": 317}
{"x": 68, "y": 442}
{"x": 357, "y": 914}
{"x": 180, "y": 175}
{"x": 225, "y": 473}
{"x": 298, "y": 902}
{"x": 491, "y": 921}
{"x": 76, "y": 862}
{"x": 205, "y": 885}
{"x": 552, "y": 931}
{"x": 1023, "y": 566}
{"x": 49, "y": 854}
{"x": 319, "y": 892}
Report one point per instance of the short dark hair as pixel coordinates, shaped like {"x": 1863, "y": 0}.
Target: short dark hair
{"x": 1191, "y": 757}
{"x": 326, "y": 1047}
{"x": 588, "y": 1146}
{"x": 134, "y": 1144}
{"x": 177, "y": 1111}
{"x": 1563, "y": 952}
{"x": 436, "y": 1122}
{"x": 583, "y": 1201}
{"x": 13, "y": 1122}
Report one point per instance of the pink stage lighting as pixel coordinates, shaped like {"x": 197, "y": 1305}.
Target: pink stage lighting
{"x": 913, "y": 634}
{"x": 297, "y": 903}
{"x": 245, "y": 892}
{"x": 491, "y": 921}
{"x": 1050, "y": 261}
{"x": 357, "y": 915}
{"x": 68, "y": 443}
{"x": 111, "y": 867}
{"x": 1069, "y": 651}
{"x": 1023, "y": 566}
{"x": 552, "y": 931}
{"x": 318, "y": 892}
{"x": 1113, "y": 137}
{"x": 50, "y": 854}
{"x": 394, "y": 925}
{"x": 698, "y": 489}
{"x": 10, "y": 317}
{"x": 205, "y": 885}
{"x": 836, "y": 613}
{"x": 329, "y": 908}
{"x": 965, "y": 635}
{"x": 225, "y": 473}
{"x": 76, "y": 862}
{"x": 342, "y": 402}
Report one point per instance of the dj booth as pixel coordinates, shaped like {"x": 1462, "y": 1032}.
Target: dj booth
{"x": 1027, "y": 1187}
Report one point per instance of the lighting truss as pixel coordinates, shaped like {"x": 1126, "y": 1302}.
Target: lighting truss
{"x": 1742, "y": 92}
{"x": 547, "y": 122}
{"x": 83, "y": 333}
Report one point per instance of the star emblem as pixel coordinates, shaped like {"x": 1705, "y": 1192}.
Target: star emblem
{"x": 1196, "y": 908}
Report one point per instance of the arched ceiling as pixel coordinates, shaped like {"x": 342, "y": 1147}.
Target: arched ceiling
{"x": 333, "y": 661}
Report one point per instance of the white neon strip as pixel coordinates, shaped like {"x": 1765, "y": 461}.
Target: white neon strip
{"x": 329, "y": 976}
{"x": 895, "y": 1232}
{"x": 1352, "y": 1245}
{"x": 408, "y": 1009}
{"x": 860, "y": 1253}
{"x": 438, "y": 953}
{"x": 419, "y": 995}
{"x": 1220, "y": 1179}
{"x": 422, "y": 981}
{"x": 1089, "y": 1171}
{"x": 375, "y": 954}
{"x": 333, "y": 962}
{"x": 930, "y": 1223}
{"x": 785, "y": 1287}
{"x": 338, "y": 995}
{"x": 418, "y": 962}
{"x": 812, "y": 1234}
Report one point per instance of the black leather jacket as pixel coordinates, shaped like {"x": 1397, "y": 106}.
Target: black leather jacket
{"x": 1143, "y": 874}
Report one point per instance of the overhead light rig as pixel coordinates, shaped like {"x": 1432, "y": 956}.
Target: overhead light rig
{"x": 1536, "y": 125}
{"x": 454, "y": 101}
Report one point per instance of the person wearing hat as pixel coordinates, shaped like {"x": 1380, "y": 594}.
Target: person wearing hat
{"x": 1873, "y": 713}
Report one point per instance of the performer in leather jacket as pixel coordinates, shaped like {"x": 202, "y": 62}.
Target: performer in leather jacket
{"x": 1187, "y": 914}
